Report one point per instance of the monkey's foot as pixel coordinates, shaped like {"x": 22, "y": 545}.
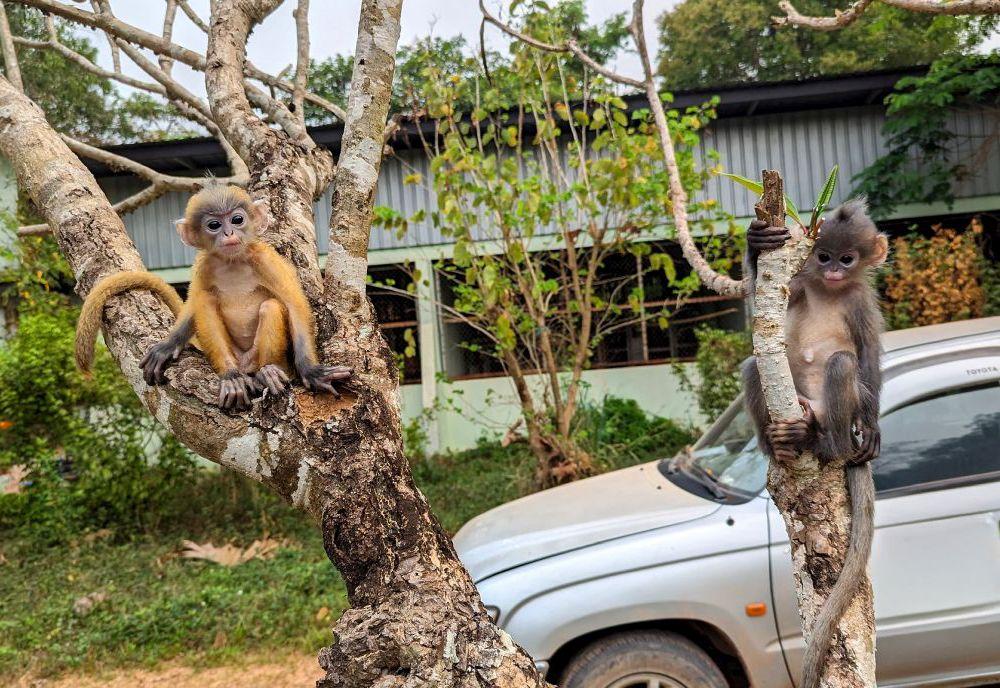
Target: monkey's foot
{"x": 273, "y": 379}
{"x": 320, "y": 378}
{"x": 763, "y": 237}
{"x": 236, "y": 390}
{"x": 154, "y": 363}
{"x": 868, "y": 448}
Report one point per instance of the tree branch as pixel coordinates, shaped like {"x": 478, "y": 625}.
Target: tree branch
{"x": 193, "y": 16}
{"x": 115, "y": 27}
{"x": 719, "y": 283}
{"x": 228, "y": 33}
{"x": 361, "y": 151}
{"x": 570, "y": 46}
{"x": 12, "y": 67}
{"x": 812, "y": 498}
{"x": 159, "y": 183}
{"x": 847, "y": 17}
{"x": 301, "y": 14}
{"x": 169, "y": 15}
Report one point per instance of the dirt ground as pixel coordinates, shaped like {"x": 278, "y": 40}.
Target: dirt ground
{"x": 287, "y": 671}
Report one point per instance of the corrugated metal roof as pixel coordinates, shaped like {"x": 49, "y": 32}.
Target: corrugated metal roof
{"x": 803, "y": 145}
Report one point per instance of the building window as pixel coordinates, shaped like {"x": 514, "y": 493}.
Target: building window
{"x": 396, "y": 311}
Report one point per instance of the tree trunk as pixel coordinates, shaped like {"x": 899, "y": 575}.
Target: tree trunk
{"x": 417, "y": 618}
{"x": 812, "y": 499}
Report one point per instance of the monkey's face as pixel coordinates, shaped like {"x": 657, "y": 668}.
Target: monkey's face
{"x": 229, "y": 232}
{"x": 836, "y": 267}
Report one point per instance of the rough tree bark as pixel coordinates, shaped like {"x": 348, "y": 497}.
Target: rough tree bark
{"x": 416, "y": 618}
{"x": 812, "y": 499}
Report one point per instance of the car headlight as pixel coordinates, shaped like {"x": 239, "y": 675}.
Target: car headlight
{"x": 494, "y": 612}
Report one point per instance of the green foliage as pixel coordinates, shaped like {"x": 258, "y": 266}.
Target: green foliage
{"x": 619, "y": 433}
{"x": 714, "y": 42}
{"x": 922, "y": 164}
{"x": 96, "y": 456}
{"x": 81, "y": 104}
{"x": 460, "y": 63}
{"x": 86, "y": 442}
{"x": 717, "y": 364}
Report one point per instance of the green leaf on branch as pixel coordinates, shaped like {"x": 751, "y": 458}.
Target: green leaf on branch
{"x": 824, "y": 198}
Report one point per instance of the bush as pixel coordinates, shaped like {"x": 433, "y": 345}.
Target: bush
{"x": 936, "y": 279}
{"x": 619, "y": 433}
{"x": 720, "y": 353}
{"x": 96, "y": 456}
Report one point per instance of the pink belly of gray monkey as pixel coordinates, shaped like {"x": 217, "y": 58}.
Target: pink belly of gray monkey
{"x": 807, "y": 358}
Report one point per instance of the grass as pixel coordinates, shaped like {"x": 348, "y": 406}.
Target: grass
{"x": 160, "y": 606}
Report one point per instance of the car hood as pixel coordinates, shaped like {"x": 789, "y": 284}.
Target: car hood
{"x": 576, "y": 515}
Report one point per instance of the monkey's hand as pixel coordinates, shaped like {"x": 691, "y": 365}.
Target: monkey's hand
{"x": 236, "y": 390}
{"x": 320, "y": 378}
{"x": 762, "y": 237}
{"x": 788, "y": 437}
{"x": 869, "y": 446}
{"x": 273, "y": 379}
{"x": 154, "y": 363}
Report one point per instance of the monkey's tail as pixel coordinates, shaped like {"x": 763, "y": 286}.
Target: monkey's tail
{"x": 861, "y": 491}
{"x": 93, "y": 308}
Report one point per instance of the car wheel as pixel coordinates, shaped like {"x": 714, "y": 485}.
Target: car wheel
{"x": 643, "y": 659}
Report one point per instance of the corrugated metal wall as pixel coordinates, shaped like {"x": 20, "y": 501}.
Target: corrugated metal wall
{"x": 803, "y": 145}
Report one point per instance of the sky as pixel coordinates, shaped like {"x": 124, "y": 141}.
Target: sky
{"x": 333, "y": 26}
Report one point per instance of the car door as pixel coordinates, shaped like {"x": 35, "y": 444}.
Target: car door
{"x": 936, "y": 556}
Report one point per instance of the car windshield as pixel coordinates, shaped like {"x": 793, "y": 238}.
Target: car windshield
{"x": 728, "y": 454}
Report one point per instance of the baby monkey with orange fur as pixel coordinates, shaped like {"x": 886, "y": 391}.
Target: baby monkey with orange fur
{"x": 245, "y": 305}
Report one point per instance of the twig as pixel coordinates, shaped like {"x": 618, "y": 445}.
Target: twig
{"x": 301, "y": 14}
{"x": 11, "y": 65}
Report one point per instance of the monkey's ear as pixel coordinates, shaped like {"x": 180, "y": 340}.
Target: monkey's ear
{"x": 188, "y": 235}
{"x": 880, "y": 249}
{"x": 261, "y": 213}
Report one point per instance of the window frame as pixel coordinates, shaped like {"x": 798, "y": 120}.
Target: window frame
{"x": 945, "y": 483}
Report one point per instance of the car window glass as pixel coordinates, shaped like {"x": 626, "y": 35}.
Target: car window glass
{"x": 946, "y": 437}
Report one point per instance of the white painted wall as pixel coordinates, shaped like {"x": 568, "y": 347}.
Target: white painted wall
{"x": 489, "y": 406}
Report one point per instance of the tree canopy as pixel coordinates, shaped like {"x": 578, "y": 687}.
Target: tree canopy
{"x": 455, "y": 57}
{"x": 715, "y": 42}
{"x": 77, "y": 102}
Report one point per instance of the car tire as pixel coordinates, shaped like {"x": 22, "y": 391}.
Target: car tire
{"x": 643, "y": 659}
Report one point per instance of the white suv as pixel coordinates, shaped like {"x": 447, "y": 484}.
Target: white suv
{"x": 676, "y": 573}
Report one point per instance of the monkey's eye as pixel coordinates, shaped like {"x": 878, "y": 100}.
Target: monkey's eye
{"x": 823, "y": 258}
{"x": 214, "y": 225}
{"x": 847, "y": 260}
{"x": 237, "y": 219}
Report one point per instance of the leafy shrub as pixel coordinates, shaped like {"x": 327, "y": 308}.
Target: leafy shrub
{"x": 88, "y": 442}
{"x": 717, "y": 363}
{"x": 936, "y": 279}
{"x": 619, "y": 433}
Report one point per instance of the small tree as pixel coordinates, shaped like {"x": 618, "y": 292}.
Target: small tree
{"x": 549, "y": 179}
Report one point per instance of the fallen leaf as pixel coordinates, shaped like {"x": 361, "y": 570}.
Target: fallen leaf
{"x": 13, "y": 478}
{"x": 84, "y": 605}
{"x": 231, "y": 555}
{"x": 102, "y": 534}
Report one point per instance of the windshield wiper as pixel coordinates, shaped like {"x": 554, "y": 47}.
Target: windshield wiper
{"x": 705, "y": 479}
